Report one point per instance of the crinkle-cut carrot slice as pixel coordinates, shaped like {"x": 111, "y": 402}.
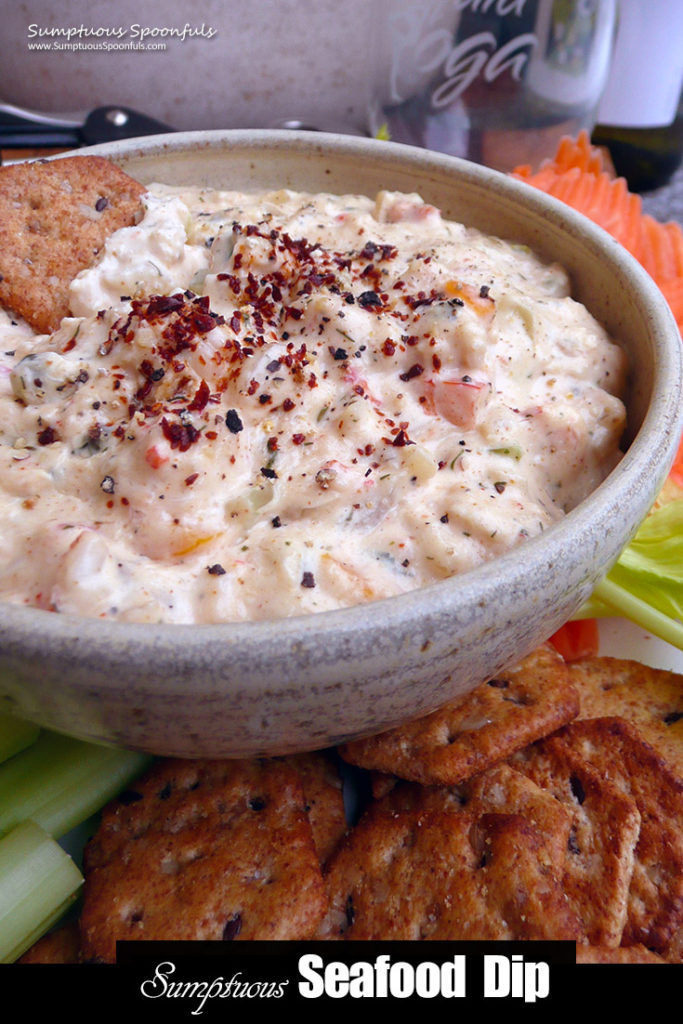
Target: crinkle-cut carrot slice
{"x": 570, "y": 153}
{"x": 676, "y": 236}
{"x": 656, "y": 251}
{"x": 623, "y": 221}
{"x": 545, "y": 177}
{"x": 663, "y": 244}
{"x": 673, "y": 293}
{"x": 579, "y": 153}
{"x": 677, "y": 468}
{"x": 578, "y": 638}
{"x": 605, "y": 201}
{"x": 573, "y": 188}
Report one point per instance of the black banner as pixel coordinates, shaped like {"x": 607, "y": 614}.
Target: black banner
{"x": 185, "y": 981}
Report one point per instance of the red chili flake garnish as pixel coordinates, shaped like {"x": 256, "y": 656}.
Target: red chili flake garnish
{"x": 180, "y": 435}
{"x": 298, "y": 438}
{"x": 204, "y": 322}
{"x": 288, "y": 405}
{"x": 308, "y": 580}
{"x": 158, "y": 305}
{"x": 388, "y": 348}
{"x": 71, "y": 343}
{"x": 47, "y": 436}
{"x": 235, "y": 283}
{"x": 414, "y": 371}
{"x": 401, "y": 440}
{"x": 422, "y": 299}
{"x": 253, "y": 387}
{"x": 436, "y": 362}
{"x": 201, "y": 397}
{"x": 189, "y": 480}
{"x": 271, "y": 444}
{"x": 210, "y": 434}
{"x": 368, "y": 251}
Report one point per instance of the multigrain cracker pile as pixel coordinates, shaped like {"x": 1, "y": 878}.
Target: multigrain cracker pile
{"x": 546, "y": 804}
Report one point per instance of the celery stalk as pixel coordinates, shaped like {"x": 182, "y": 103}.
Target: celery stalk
{"x": 619, "y": 601}
{"x": 646, "y": 584}
{"x": 59, "y": 782}
{"x": 38, "y": 881}
{"x": 15, "y": 735}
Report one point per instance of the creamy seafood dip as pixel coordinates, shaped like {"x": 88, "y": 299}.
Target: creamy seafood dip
{"x": 273, "y": 404}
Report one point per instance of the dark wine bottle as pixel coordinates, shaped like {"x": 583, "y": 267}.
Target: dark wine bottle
{"x": 646, "y": 157}
{"x": 640, "y": 116}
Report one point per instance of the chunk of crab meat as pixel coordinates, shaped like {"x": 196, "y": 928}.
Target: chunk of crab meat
{"x": 458, "y": 401}
{"x": 156, "y": 455}
{"x": 408, "y": 211}
{"x": 356, "y": 380}
{"x": 396, "y": 207}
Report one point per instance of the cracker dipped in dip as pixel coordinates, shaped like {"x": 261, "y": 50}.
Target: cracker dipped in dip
{"x": 275, "y": 404}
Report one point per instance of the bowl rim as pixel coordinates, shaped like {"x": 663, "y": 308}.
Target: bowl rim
{"x": 655, "y": 441}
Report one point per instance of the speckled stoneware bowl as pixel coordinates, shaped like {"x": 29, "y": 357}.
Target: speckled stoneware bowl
{"x": 301, "y": 683}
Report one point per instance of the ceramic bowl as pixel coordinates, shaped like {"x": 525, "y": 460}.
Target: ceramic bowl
{"x": 306, "y": 682}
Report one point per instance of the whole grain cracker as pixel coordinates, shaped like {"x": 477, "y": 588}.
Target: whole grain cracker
{"x": 615, "y": 749}
{"x": 61, "y": 946}
{"x": 500, "y": 790}
{"x": 674, "y": 947}
{"x": 477, "y": 730}
{"x": 621, "y": 955}
{"x": 55, "y": 216}
{"x": 203, "y": 850}
{"x": 600, "y": 852}
{"x": 443, "y": 875}
{"x": 322, "y": 785}
{"x": 650, "y": 698}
